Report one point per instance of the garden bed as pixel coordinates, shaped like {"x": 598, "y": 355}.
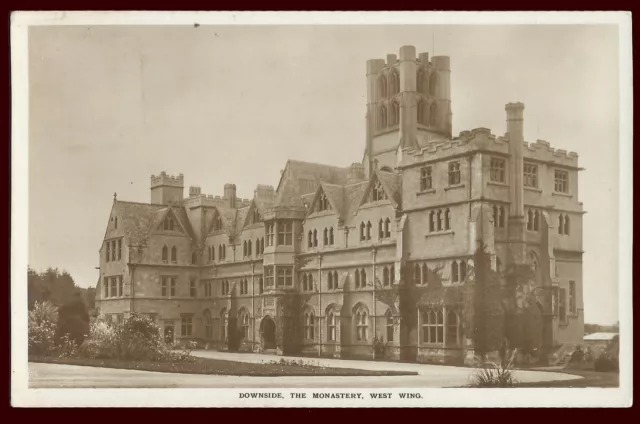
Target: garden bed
{"x": 220, "y": 367}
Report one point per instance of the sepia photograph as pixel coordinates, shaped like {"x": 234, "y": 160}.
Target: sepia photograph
{"x": 336, "y": 209}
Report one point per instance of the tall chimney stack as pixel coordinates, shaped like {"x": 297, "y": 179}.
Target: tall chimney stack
{"x": 516, "y": 185}
{"x": 230, "y": 194}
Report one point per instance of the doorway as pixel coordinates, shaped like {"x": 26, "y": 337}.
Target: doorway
{"x": 268, "y": 333}
{"x": 168, "y": 333}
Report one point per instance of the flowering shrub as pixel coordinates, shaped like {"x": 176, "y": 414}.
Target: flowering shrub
{"x": 42, "y": 328}
{"x": 101, "y": 343}
{"x": 67, "y": 347}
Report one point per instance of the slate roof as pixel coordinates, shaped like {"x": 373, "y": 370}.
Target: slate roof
{"x": 137, "y": 219}
{"x": 392, "y": 184}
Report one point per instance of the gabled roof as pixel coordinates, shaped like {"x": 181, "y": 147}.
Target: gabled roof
{"x": 179, "y": 214}
{"x": 334, "y": 195}
{"x": 137, "y": 219}
{"x": 353, "y": 195}
{"x": 391, "y": 184}
{"x": 241, "y": 219}
{"x": 228, "y": 217}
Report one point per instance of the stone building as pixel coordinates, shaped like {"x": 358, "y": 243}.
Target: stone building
{"x": 309, "y": 264}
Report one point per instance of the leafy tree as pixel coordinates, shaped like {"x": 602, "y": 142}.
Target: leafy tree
{"x": 42, "y": 328}
{"x": 73, "y": 320}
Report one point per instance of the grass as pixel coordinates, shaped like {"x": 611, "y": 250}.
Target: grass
{"x": 590, "y": 379}
{"x": 220, "y": 367}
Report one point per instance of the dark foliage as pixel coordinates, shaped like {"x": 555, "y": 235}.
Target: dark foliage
{"x": 73, "y": 320}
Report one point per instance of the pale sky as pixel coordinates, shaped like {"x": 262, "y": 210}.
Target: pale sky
{"x": 109, "y": 106}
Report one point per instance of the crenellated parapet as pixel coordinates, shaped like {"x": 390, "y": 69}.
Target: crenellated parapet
{"x": 167, "y": 180}
{"x": 541, "y": 150}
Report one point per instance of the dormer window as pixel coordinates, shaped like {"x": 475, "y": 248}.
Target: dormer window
{"x": 168, "y": 223}
{"x": 378, "y": 192}
{"x": 323, "y": 203}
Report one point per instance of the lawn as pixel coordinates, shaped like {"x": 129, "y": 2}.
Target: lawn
{"x": 590, "y": 379}
{"x": 220, "y": 367}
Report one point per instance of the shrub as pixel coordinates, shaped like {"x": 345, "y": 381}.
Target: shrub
{"x": 67, "y": 347}
{"x": 42, "y": 328}
{"x": 491, "y": 374}
{"x": 577, "y": 356}
{"x": 606, "y": 363}
{"x": 101, "y": 343}
{"x": 73, "y": 320}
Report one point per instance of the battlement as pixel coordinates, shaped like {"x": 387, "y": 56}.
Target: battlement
{"x": 542, "y": 150}
{"x": 265, "y": 192}
{"x": 167, "y": 180}
{"x": 408, "y": 53}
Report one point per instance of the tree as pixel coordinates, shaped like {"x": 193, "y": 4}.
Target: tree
{"x": 73, "y": 320}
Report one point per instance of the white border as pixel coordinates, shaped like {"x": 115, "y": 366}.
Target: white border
{"x": 22, "y": 396}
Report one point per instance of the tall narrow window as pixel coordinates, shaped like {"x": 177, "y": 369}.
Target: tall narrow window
{"x": 394, "y": 82}
{"x": 331, "y": 236}
{"x": 244, "y": 249}
{"x": 454, "y": 272}
{"x": 329, "y": 281}
{"x": 362, "y": 325}
{"x": 378, "y": 192}
{"x": 187, "y": 325}
{"x": 432, "y": 225}
{"x": 382, "y": 86}
{"x": 193, "y": 292}
{"x": 323, "y": 203}
{"x": 268, "y": 276}
{"x": 173, "y": 286}
{"x": 463, "y": 270}
{"x": 395, "y": 113}
{"x": 497, "y": 170}
{"x": 310, "y": 244}
{"x": 426, "y": 182}
{"x": 389, "y": 326}
{"x": 433, "y": 115}
{"x": 530, "y": 220}
{"x": 119, "y": 248}
{"x": 308, "y": 325}
{"x": 315, "y": 238}
{"x": 572, "y": 297}
{"x": 120, "y": 286}
{"x": 561, "y": 179}
{"x": 381, "y": 229}
{"x": 115, "y": 223}
{"x": 563, "y": 305}
{"x": 331, "y": 327}
{"x": 425, "y": 273}
{"x": 165, "y": 254}
{"x": 325, "y": 237}
{"x": 385, "y": 273}
{"x": 244, "y": 324}
{"x": 454, "y": 173}
{"x": 501, "y": 216}
{"x": 261, "y": 286}
{"x": 249, "y": 248}
{"x": 164, "y": 286}
{"x": 452, "y": 327}
{"x": 566, "y": 224}
{"x": 382, "y": 118}
{"x": 417, "y": 278}
{"x": 369, "y": 230}
{"x": 447, "y": 219}
{"x": 105, "y": 282}
{"x": 357, "y": 278}
{"x": 387, "y": 231}
{"x": 174, "y": 254}
{"x": 362, "y": 231}
{"x": 285, "y": 233}
{"x": 363, "y": 277}
{"x": 530, "y": 175}
{"x": 108, "y": 256}
{"x": 270, "y": 233}
{"x": 208, "y": 328}
{"x": 421, "y": 112}
{"x": 536, "y": 221}
{"x": 433, "y": 82}
{"x": 439, "y": 219}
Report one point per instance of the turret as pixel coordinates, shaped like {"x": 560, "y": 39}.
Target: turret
{"x": 166, "y": 189}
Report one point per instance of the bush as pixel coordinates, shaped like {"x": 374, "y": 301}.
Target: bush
{"x": 73, "y": 320}
{"x": 102, "y": 341}
{"x": 67, "y": 347}
{"x": 42, "y": 328}
{"x": 490, "y": 374}
{"x": 606, "y": 363}
{"x": 577, "y": 356}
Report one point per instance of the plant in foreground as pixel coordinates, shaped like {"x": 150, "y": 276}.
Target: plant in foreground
{"x": 491, "y": 374}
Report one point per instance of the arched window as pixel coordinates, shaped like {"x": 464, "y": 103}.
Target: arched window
{"x": 362, "y": 233}
{"x": 363, "y": 277}
{"x": 495, "y": 216}
{"x": 530, "y": 220}
{"x": 174, "y": 254}
{"x": 244, "y": 248}
{"x": 304, "y": 282}
{"x": 331, "y": 236}
{"x": 308, "y": 325}
{"x": 244, "y": 323}
{"x": 208, "y": 328}
{"x": 498, "y": 265}
{"x": 261, "y": 285}
{"x": 390, "y": 331}
{"x": 421, "y": 113}
{"x": 380, "y": 229}
{"x": 385, "y": 274}
{"x": 393, "y": 274}
{"x": 362, "y": 324}
{"x": 310, "y": 239}
{"x": 378, "y": 192}
{"x": 425, "y": 273}
{"x": 331, "y": 326}
{"x": 433, "y": 82}
{"x": 454, "y": 271}
{"x": 463, "y": 270}
{"x": 323, "y": 203}
{"x": 432, "y": 225}
{"x": 325, "y": 238}
{"x": 249, "y": 248}
{"x": 315, "y": 238}
{"x": 357, "y": 278}
{"x": 433, "y": 111}
{"x": 335, "y": 280}
{"x": 560, "y": 224}
{"x": 387, "y": 232}
{"x": 382, "y": 86}
{"x": 502, "y": 216}
{"x": 452, "y": 327}
{"x": 369, "y": 230}
{"x": 566, "y": 224}
{"x": 420, "y": 81}
{"x": 417, "y": 277}
{"x": 395, "y": 82}
{"x": 330, "y": 281}
{"x": 165, "y": 254}
{"x": 382, "y": 117}
{"x": 447, "y": 219}
{"x": 439, "y": 219}
{"x": 536, "y": 221}
{"x": 310, "y": 283}
{"x": 194, "y": 258}
{"x": 395, "y": 113}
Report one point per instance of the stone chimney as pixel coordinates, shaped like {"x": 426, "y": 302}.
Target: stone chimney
{"x": 194, "y": 191}
{"x": 265, "y": 192}
{"x": 230, "y": 194}
{"x": 516, "y": 224}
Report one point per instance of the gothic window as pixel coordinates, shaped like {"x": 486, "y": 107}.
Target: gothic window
{"x": 249, "y": 248}
{"x": 193, "y": 292}
{"x": 421, "y": 112}
{"x": 323, "y": 203}
{"x": 362, "y": 324}
{"x": 119, "y": 249}
{"x": 115, "y": 223}
{"x": 217, "y": 222}
{"x": 244, "y": 249}
{"x": 108, "y": 257}
{"x": 331, "y": 236}
{"x": 387, "y": 231}
{"x": 363, "y": 277}
{"x": 369, "y": 230}
{"x": 330, "y": 280}
{"x": 310, "y": 237}
{"x": 165, "y": 254}
{"x": 331, "y": 326}
{"x": 417, "y": 278}
{"x": 382, "y": 118}
{"x": 393, "y": 274}
{"x": 560, "y": 224}
{"x": 315, "y": 238}
{"x": 395, "y": 113}
{"x": 187, "y": 325}
{"x": 530, "y": 220}
{"x": 335, "y": 280}
{"x": 536, "y": 221}
{"x": 357, "y": 278}
{"x": 223, "y": 324}
{"x": 432, "y": 226}
{"x": 105, "y": 282}
{"x": 362, "y": 231}
{"x": 463, "y": 270}
{"x": 380, "y": 229}
{"x": 572, "y": 297}
{"x": 454, "y": 173}
{"x": 389, "y": 319}
{"x": 432, "y": 326}
{"x": 433, "y": 114}
{"x": 454, "y": 272}
{"x": 255, "y": 216}
{"x": 566, "y": 224}
{"x": 385, "y": 278}
{"x": 174, "y": 254}
{"x": 261, "y": 286}
{"x": 378, "y": 192}
{"x": 433, "y": 81}
{"x": 168, "y": 223}
{"x": 439, "y": 219}
{"x": 447, "y": 219}
{"x": 394, "y": 82}
{"x": 425, "y": 273}
{"x": 308, "y": 325}
{"x": 244, "y": 323}
{"x": 426, "y": 182}
{"x": 325, "y": 237}
{"x": 382, "y": 86}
